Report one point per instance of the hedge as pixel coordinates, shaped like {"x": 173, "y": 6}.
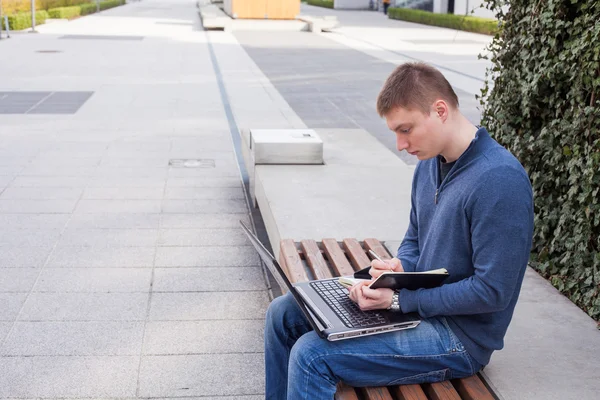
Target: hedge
{"x": 21, "y": 21}
{"x": 321, "y": 3}
{"x": 65, "y": 12}
{"x": 545, "y": 107}
{"x": 86, "y": 9}
{"x": 464, "y": 23}
{"x": 17, "y": 6}
{"x": 105, "y": 5}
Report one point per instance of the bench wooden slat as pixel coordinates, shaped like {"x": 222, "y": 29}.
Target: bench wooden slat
{"x": 356, "y": 254}
{"x": 376, "y": 393}
{"x": 441, "y": 391}
{"x": 472, "y": 388}
{"x": 345, "y": 392}
{"x": 378, "y": 248}
{"x": 338, "y": 259}
{"x": 293, "y": 265}
{"x": 408, "y": 392}
{"x": 315, "y": 259}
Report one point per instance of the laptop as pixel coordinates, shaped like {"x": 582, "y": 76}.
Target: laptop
{"x": 327, "y": 307}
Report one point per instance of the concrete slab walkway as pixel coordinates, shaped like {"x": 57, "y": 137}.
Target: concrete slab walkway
{"x": 123, "y": 273}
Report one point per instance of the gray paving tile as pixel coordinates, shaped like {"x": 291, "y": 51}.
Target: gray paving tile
{"x": 10, "y": 304}
{"x": 4, "y": 329}
{"x": 39, "y": 193}
{"x": 113, "y": 221}
{"x": 195, "y": 337}
{"x": 205, "y": 221}
{"x": 204, "y": 182}
{"x": 28, "y": 237}
{"x": 180, "y": 193}
{"x": 37, "y": 182}
{"x": 85, "y": 307}
{"x": 17, "y": 279}
{"x": 36, "y": 206}
{"x": 126, "y": 181}
{"x": 101, "y": 280}
{"x": 136, "y": 161}
{"x": 73, "y": 257}
{"x": 124, "y": 193}
{"x": 106, "y": 338}
{"x": 33, "y": 221}
{"x": 24, "y": 257}
{"x": 204, "y": 206}
{"x": 118, "y": 206}
{"x": 108, "y": 237}
{"x": 219, "y": 279}
{"x": 164, "y": 376}
{"x": 211, "y": 256}
{"x": 135, "y": 172}
{"x": 5, "y": 180}
{"x": 52, "y": 377}
{"x": 202, "y": 237}
{"x": 207, "y": 306}
{"x": 58, "y": 170}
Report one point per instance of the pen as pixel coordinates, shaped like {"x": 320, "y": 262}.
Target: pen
{"x": 371, "y": 252}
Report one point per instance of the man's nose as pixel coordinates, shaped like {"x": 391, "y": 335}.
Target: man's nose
{"x": 401, "y": 144}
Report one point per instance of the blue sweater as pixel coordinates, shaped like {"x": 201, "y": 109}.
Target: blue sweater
{"x": 478, "y": 224}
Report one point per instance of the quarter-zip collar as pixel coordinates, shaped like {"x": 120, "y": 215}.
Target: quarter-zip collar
{"x": 476, "y": 147}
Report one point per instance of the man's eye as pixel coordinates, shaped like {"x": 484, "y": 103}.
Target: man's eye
{"x": 404, "y": 130}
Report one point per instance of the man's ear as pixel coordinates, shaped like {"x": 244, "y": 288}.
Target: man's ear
{"x": 440, "y": 108}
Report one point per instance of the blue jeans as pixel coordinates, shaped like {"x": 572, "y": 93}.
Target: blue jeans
{"x": 301, "y": 365}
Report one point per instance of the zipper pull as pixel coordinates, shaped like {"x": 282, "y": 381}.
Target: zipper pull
{"x": 436, "y": 195}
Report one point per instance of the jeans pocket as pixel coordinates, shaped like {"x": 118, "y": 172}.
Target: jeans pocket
{"x": 427, "y": 377}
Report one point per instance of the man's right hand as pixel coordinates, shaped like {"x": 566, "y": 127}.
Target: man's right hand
{"x": 378, "y": 267}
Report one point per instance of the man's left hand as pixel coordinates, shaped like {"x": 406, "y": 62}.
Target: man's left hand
{"x": 370, "y": 299}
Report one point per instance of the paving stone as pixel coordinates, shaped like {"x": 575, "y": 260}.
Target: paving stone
{"x": 164, "y": 376}
{"x": 108, "y": 237}
{"x": 10, "y": 304}
{"x": 85, "y": 307}
{"x": 17, "y": 279}
{"x": 206, "y": 221}
{"x": 208, "y": 306}
{"x": 39, "y": 193}
{"x": 113, "y": 221}
{"x": 199, "y": 337}
{"x": 74, "y": 257}
{"x": 74, "y": 339}
{"x": 118, "y": 206}
{"x": 140, "y": 193}
{"x": 211, "y": 256}
{"x": 195, "y": 279}
{"x": 93, "y": 280}
{"x": 180, "y": 193}
{"x": 59, "y": 377}
{"x": 24, "y": 257}
{"x": 37, "y": 206}
{"x": 203, "y": 237}
{"x": 204, "y": 206}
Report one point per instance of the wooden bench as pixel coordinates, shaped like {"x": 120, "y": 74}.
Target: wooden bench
{"x": 328, "y": 259}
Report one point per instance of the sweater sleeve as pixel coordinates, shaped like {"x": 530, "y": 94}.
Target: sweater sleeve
{"x": 408, "y": 252}
{"x": 500, "y": 211}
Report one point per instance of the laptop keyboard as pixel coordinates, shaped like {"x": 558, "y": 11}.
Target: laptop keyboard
{"x": 336, "y": 297}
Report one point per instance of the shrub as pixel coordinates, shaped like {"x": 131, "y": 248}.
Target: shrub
{"x": 86, "y": 9}
{"x": 65, "y": 12}
{"x": 545, "y": 108}
{"x": 464, "y": 23}
{"x": 321, "y": 3}
{"x": 21, "y": 21}
{"x": 105, "y": 5}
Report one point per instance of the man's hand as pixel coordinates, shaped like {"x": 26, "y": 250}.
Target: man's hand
{"x": 370, "y": 299}
{"x": 378, "y": 267}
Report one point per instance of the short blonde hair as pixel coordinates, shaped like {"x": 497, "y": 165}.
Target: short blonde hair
{"x": 415, "y": 86}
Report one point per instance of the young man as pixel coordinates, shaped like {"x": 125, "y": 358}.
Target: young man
{"x": 471, "y": 213}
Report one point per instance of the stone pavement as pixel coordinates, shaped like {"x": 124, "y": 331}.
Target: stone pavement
{"x": 123, "y": 276}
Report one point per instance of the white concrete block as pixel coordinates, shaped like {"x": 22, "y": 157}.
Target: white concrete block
{"x": 286, "y": 146}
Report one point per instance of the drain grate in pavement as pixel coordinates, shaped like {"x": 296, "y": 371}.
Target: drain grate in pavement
{"x": 48, "y": 51}
{"x": 42, "y": 102}
{"x": 190, "y": 163}
{"x": 101, "y": 37}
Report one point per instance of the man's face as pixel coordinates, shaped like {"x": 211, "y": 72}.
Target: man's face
{"x": 417, "y": 133}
